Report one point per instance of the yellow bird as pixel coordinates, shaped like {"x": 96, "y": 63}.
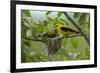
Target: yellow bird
{"x": 65, "y": 31}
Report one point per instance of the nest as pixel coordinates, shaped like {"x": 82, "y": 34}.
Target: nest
{"x": 53, "y": 45}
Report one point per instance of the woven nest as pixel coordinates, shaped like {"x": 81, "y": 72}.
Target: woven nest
{"x": 53, "y": 45}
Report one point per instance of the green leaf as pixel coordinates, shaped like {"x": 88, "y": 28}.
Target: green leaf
{"x": 74, "y": 43}
{"x": 23, "y": 29}
{"x": 26, "y": 43}
{"x": 23, "y": 55}
{"x": 45, "y": 28}
{"x": 50, "y": 27}
{"x": 76, "y": 15}
{"x": 59, "y": 14}
{"x": 48, "y": 12}
{"x": 64, "y": 21}
{"x": 29, "y": 33}
{"x": 50, "y": 19}
{"x": 26, "y": 24}
{"x": 38, "y": 29}
{"x": 55, "y": 20}
{"x": 65, "y": 41}
{"x": 26, "y": 13}
{"x": 83, "y": 26}
{"x": 28, "y": 58}
{"x": 25, "y": 20}
{"x": 82, "y": 18}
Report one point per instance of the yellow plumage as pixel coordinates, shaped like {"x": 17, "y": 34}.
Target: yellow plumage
{"x": 63, "y": 31}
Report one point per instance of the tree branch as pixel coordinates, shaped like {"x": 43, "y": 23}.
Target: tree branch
{"x": 35, "y": 39}
{"x": 79, "y": 29}
{"x": 69, "y": 36}
{"x": 58, "y": 37}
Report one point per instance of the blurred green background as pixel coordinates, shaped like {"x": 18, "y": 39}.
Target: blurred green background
{"x": 35, "y": 23}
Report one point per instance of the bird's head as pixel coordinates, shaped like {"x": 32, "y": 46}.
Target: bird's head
{"x": 59, "y": 25}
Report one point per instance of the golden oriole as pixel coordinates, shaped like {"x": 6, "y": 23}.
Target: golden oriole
{"x": 65, "y": 31}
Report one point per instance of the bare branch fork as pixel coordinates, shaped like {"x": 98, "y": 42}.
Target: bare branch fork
{"x": 79, "y": 29}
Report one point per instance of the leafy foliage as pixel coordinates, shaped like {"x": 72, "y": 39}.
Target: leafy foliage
{"x": 34, "y": 50}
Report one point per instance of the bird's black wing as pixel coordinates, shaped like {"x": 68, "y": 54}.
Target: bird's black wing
{"x": 66, "y": 29}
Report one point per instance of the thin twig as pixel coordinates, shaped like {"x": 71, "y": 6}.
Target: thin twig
{"x": 35, "y": 39}
{"x": 69, "y": 36}
{"x": 76, "y": 25}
